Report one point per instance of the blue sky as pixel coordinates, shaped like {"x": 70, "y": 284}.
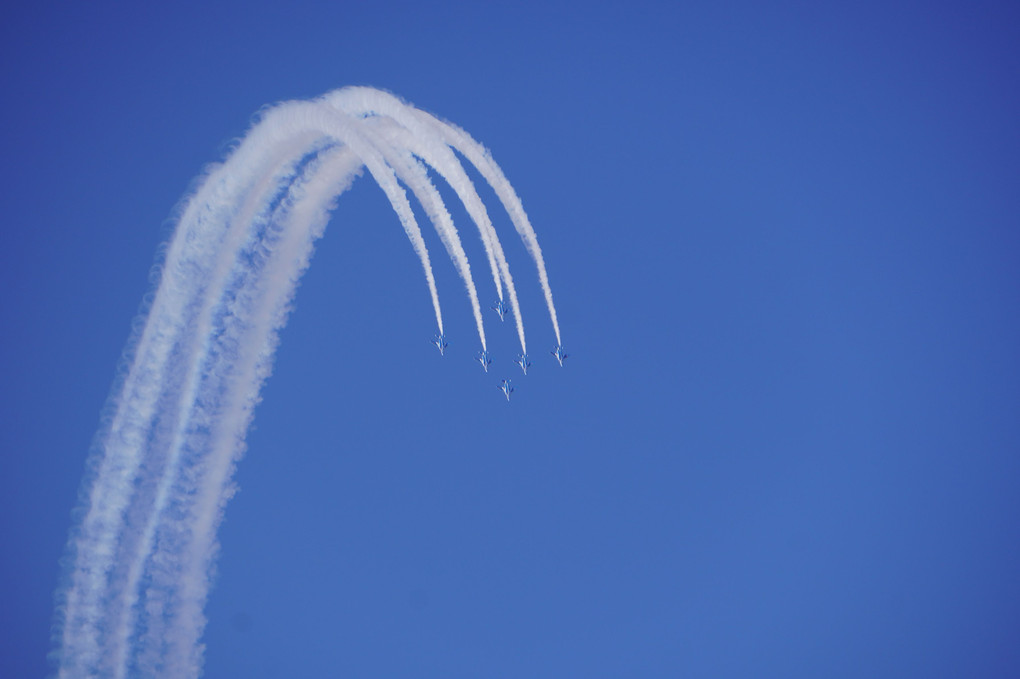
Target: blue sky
{"x": 784, "y": 247}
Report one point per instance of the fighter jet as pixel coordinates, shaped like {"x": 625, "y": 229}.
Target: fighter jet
{"x": 501, "y": 309}
{"x": 440, "y": 342}
{"x": 523, "y": 361}
{"x": 560, "y": 356}
{"x": 484, "y": 359}
{"x": 507, "y": 389}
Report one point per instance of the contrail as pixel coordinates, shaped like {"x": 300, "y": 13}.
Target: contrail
{"x": 159, "y": 474}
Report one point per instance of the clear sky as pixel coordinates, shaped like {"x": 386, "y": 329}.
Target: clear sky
{"x": 785, "y": 252}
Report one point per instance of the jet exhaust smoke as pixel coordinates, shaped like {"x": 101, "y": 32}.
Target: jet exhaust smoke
{"x": 159, "y": 474}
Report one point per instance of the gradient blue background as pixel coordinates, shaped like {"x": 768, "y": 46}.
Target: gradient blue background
{"x": 784, "y": 246}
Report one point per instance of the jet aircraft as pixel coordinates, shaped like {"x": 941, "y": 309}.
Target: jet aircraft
{"x": 523, "y": 361}
{"x": 507, "y": 389}
{"x": 560, "y": 356}
{"x": 501, "y": 309}
{"x": 440, "y": 342}
{"x": 484, "y": 359}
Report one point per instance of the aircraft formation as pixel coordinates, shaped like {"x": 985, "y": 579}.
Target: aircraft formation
{"x": 486, "y": 360}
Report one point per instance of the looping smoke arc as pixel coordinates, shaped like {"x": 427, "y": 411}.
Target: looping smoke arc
{"x": 160, "y": 473}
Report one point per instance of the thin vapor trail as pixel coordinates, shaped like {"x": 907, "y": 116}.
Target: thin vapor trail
{"x": 159, "y": 476}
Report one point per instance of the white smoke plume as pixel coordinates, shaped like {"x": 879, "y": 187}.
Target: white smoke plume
{"x": 159, "y": 476}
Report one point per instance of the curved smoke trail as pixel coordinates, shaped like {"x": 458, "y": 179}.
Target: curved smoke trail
{"x": 418, "y": 133}
{"x": 160, "y": 472}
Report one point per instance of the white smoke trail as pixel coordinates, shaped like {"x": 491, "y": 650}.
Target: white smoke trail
{"x": 411, "y": 172}
{"x": 196, "y": 258}
{"x": 298, "y": 116}
{"x": 281, "y": 171}
{"x": 235, "y": 379}
{"x": 159, "y": 476}
{"x": 483, "y": 162}
{"x": 423, "y": 137}
{"x": 379, "y": 106}
{"x": 200, "y": 253}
